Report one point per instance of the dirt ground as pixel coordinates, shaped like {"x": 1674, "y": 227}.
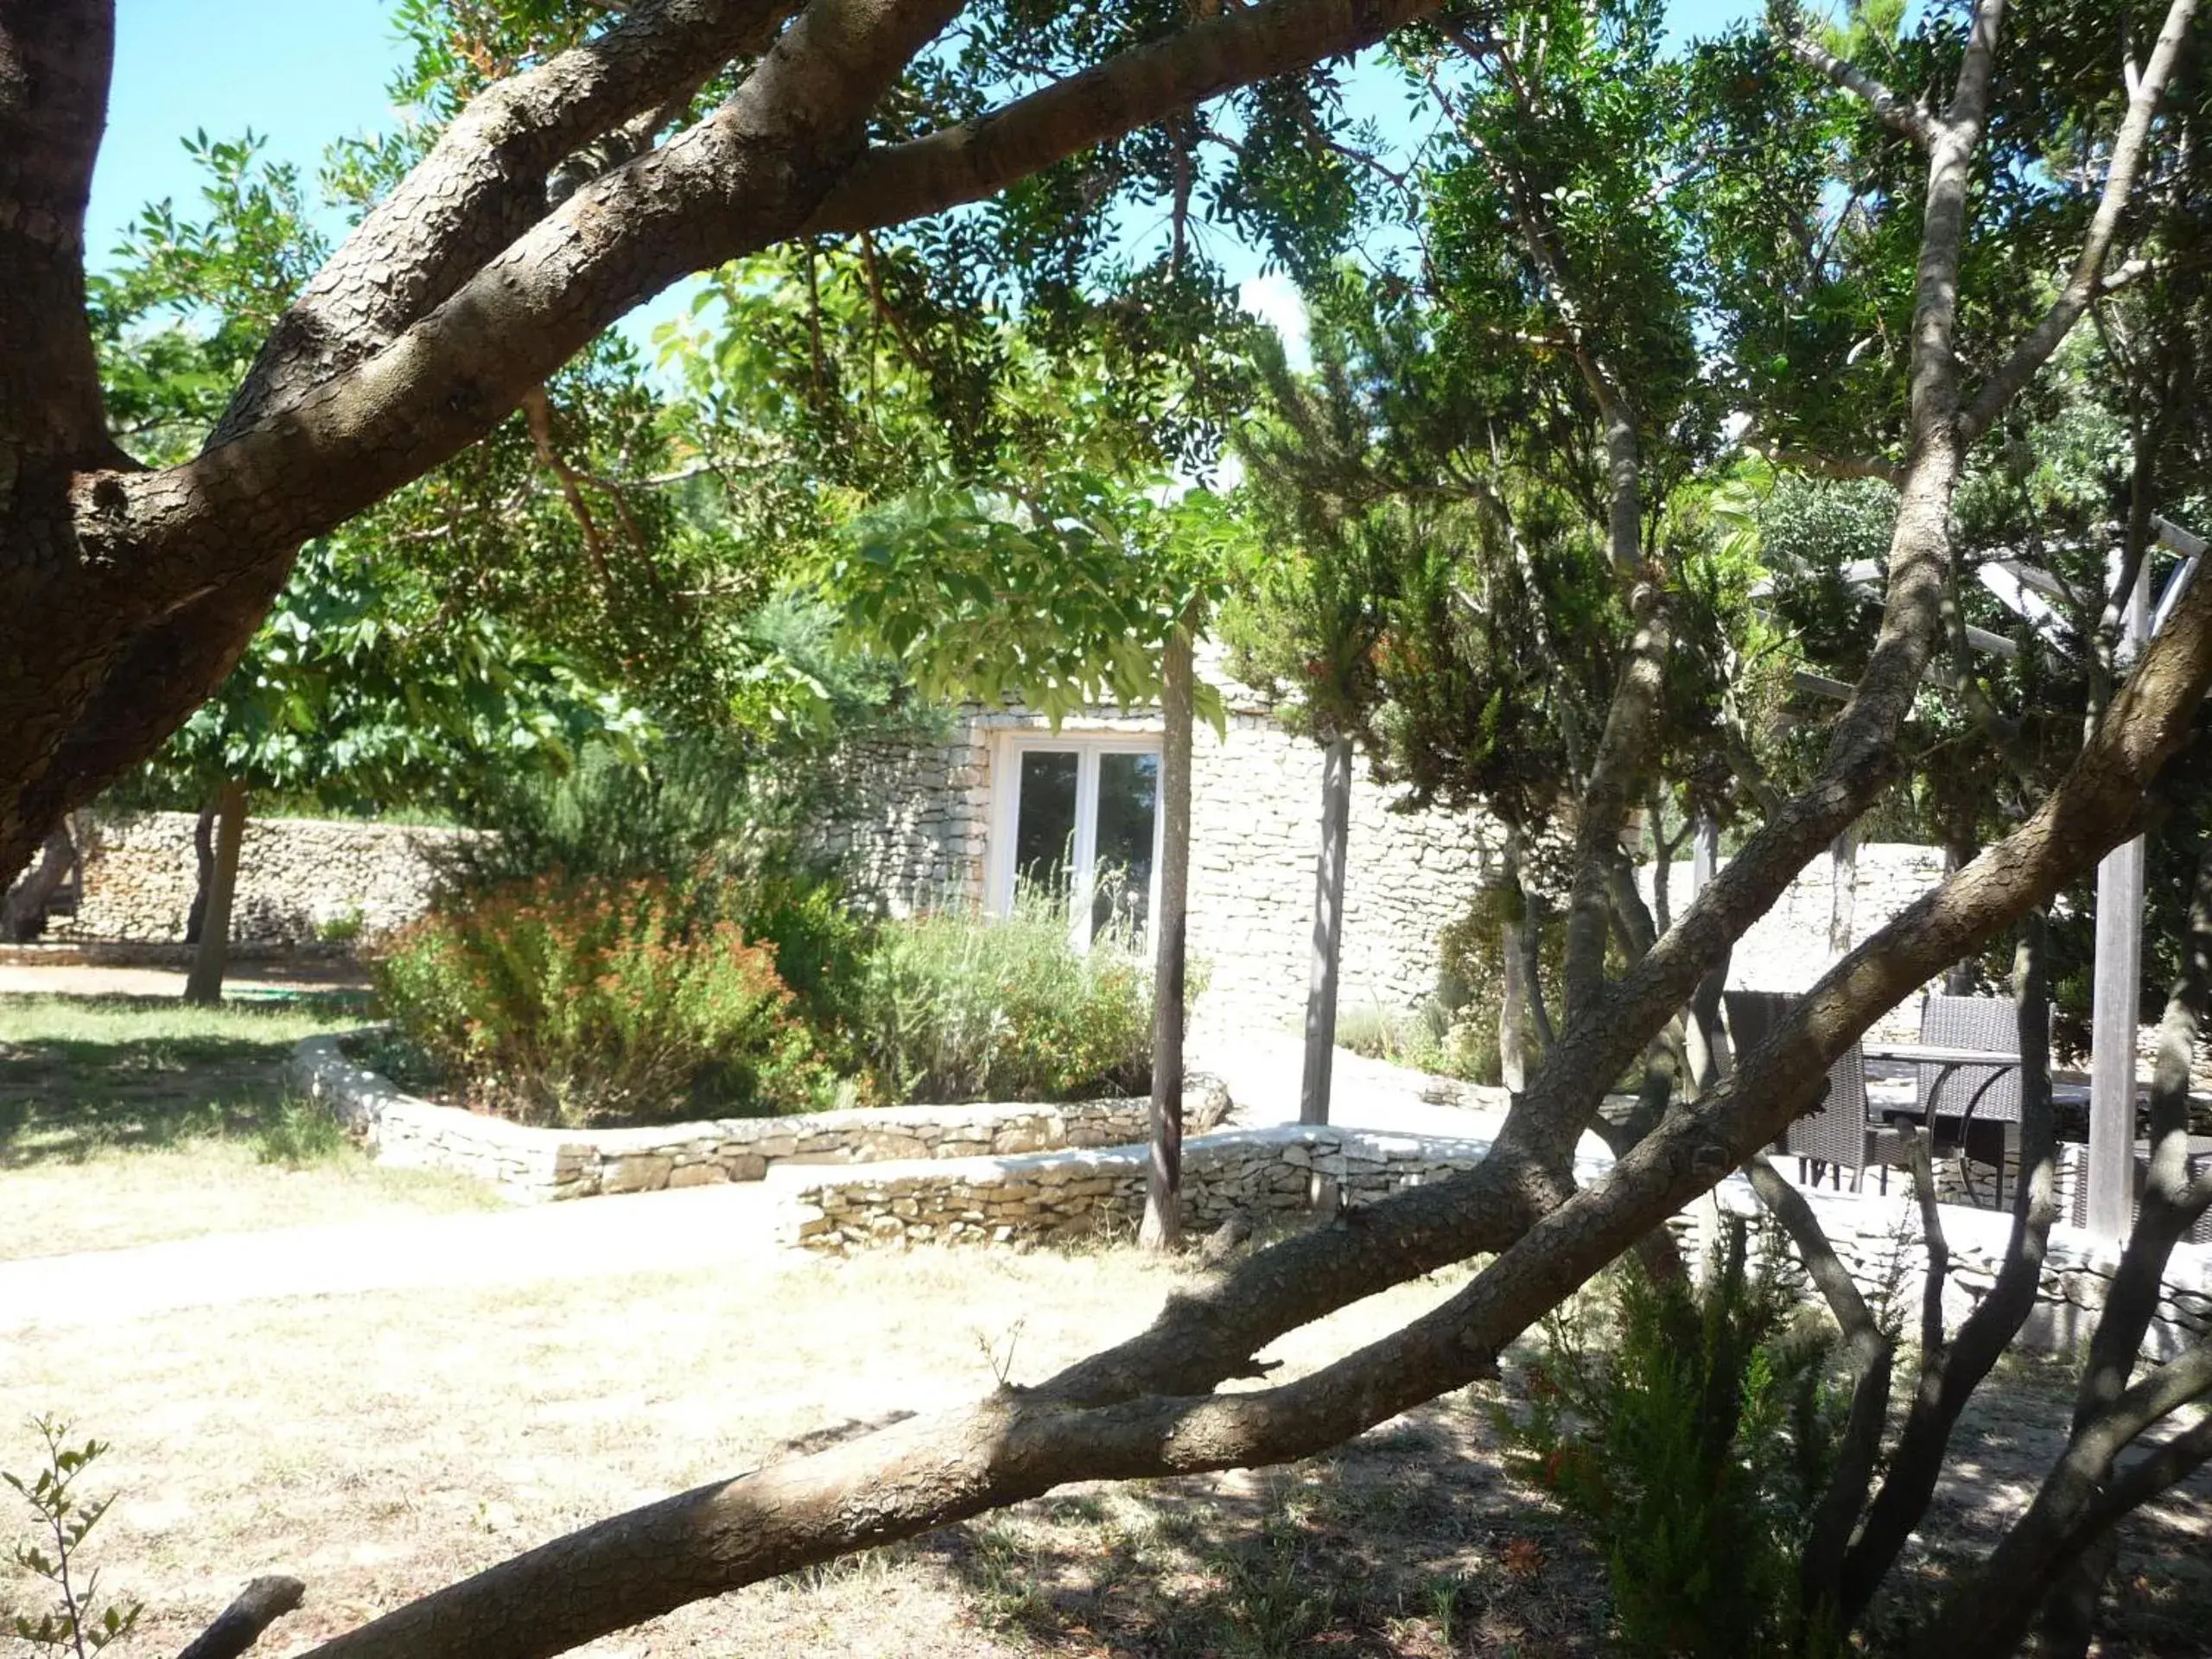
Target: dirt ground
{"x": 378, "y": 1445}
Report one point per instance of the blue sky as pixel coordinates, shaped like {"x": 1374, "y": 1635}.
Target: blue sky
{"x": 303, "y": 74}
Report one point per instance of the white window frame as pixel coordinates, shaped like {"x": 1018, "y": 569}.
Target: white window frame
{"x": 1005, "y": 815}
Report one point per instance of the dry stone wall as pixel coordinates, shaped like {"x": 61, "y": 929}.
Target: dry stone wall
{"x": 297, "y": 878}
{"x": 1058, "y": 1196}
{"x": 529, "y": 1164}
{"x": 1267, "y": 1172}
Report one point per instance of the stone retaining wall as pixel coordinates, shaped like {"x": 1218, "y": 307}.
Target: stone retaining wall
{"x": 298, "y": 879}
{"x": 530, "y": 1164}
{"x": 1259, "y": 1173}
{"x": 1254, "y": 1172}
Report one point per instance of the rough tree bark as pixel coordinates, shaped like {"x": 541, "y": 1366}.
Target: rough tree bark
{"x": 1162, "y": 1228}
{"x": 211, "y": 956}
{"x": 462, "y": 292}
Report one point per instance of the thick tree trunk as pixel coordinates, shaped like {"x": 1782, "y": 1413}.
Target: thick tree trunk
{"x": 204, "y": 984}
{"x": 1328, "y": 932}
{"x": 1163, "y": 1201}
{"x": 24, "y": 913}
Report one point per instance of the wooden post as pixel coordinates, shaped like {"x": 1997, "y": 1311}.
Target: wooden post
{"x": 1163, "y": 1202}
{"x": 211, "y": 956}
{"x": 2116, "y": 1003}
{"x": 1328, "y": 932}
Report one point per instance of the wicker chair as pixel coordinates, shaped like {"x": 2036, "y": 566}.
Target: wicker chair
{"x": 1981, "y": 1100}
{"x": 2199, "y": 1161}
{"x": 1836, "y": 1135}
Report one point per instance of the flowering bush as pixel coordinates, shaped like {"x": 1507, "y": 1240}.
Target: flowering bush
{"x": 554, "y": 1000}
{"x": 952, "y": 1006}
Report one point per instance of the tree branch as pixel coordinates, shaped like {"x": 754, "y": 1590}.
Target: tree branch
{"x": 484, "y": 184}
{"x": 1110, "y": 1417}
{"x": 2130, "y": 145}
{"x": 1138, "y": 88}
{"x": 1903, "y": 117}
{"x": 239, "y": 1625}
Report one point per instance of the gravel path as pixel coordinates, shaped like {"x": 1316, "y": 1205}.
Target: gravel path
{"x": 641, "y": 1233}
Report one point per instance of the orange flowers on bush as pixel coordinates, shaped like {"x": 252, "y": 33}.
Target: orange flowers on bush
{"x": 556, "y": 1001}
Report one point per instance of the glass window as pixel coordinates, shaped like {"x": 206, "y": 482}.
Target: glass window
{"x": 1128, "y": 798}
{"x": 1083, "y": 826}
{"x": 1044, "y": 836}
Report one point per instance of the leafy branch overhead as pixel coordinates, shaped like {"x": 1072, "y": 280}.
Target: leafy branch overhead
{"x": 1060, "y": 600}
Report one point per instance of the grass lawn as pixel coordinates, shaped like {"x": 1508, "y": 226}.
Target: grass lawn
{"x": 380, "y": 1445}
{"x": 128, "y": 1120}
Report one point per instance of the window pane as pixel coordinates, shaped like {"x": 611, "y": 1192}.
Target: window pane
{"x": 1045, "y": 827}
{"x": 1128, "y": 794}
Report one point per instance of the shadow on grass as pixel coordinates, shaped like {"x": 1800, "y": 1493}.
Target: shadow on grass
{"x": 1411, "y": 1540}
{"x": 82, "y": 1075}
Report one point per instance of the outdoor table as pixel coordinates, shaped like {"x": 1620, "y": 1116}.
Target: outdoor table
{"x": 1949, "y": 1059}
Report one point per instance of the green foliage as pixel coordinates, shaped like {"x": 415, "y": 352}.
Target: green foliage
{"x": 76, "y": 1623}
{"x": 300, "y": 1132}
{"x": 562, "y": 1000}
{"x": 1062, "y": 598}
{"x": 1692, "y": 1439}
{"x": 954, "y": 1006}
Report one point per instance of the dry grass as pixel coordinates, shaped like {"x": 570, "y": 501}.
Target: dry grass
{"x": 380, "y": 1445}
{"x": 130, "y": 1120}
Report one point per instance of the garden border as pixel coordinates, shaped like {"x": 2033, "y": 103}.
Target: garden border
{"x": 530, "y": 1165}
{"x": 1267, "y": 1173}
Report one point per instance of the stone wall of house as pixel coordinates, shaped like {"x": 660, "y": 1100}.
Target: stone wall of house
{"x": 910, "y": 824}
{"x": 906, "y": 822}
{"x": 530, "y": 1165}
{"x": 1267, "y": 1172}
{"x": 1255, "y": 834}
{"x": 298, "y": 879}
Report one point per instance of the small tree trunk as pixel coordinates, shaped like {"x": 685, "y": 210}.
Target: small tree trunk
{"x": 1843, "y": 896}
{"x": 203, "y": 850}
{"x": 1513, "y": 1056}
{"x": 205, "y": 983}
{"x": 24, "y": 911}
{"x": 1328, "y": 932}
{"x": 1710, "y": 1061}
{"x": 1163, "y": 1204}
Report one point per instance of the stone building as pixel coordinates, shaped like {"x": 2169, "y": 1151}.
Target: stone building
{"x": 1006, "y": 796}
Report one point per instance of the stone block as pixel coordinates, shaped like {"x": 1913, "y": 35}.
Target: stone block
{"x": 644, "y": 1172}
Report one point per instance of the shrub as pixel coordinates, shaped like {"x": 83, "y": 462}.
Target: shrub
{"x": 561, "y": 1001}
{"x": 1691, "y": 1447}
{"x": 954, "y": 1005}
